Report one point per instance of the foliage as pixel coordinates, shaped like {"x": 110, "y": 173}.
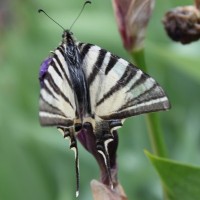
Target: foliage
{"x": 181, "y": 181}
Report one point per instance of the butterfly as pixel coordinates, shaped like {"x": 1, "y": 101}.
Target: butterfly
{"x": 83, "y": 85}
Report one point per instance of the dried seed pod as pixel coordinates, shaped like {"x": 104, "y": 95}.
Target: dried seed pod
{"x": 182, "y": 24}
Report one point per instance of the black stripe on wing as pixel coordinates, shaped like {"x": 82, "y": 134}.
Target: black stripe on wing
{"x": 157, "y": 106}
{"x": 121, "y": 83}
{"x": 113, "y": 60}
{"x": 57, "y": 89}
{"x": 51, "y": 115}
{"x": 62, "y": 50}
{"x": 45, "y": 106}
{"x": 152, "y": 100}
{"x": 53, "y": 64}
{"x": 147, "y": 96}
{"x": 49, "y": 119}
{"x": 63, "y": 70}
{"x": 139, "y": 81}
{"x": 97, "y": 66}
{"x": 84, "y": 48}
{"x": 48, "y": 91}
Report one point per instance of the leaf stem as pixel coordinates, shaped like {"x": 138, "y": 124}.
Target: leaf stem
{"x": 152, "y": 120}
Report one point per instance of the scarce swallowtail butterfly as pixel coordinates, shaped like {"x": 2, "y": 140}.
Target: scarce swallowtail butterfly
{"x": 84, "y": 85}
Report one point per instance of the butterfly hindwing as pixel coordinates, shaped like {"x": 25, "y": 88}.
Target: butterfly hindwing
{"x": 118, "y": 89}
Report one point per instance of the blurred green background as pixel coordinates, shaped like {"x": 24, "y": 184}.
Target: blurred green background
{"x": 35, "y": 162}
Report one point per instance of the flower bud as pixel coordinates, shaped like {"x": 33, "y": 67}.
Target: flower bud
{"x": 132, "y": 18}
{"x": 100, "y": 191}
{"x": 182, "y": 24}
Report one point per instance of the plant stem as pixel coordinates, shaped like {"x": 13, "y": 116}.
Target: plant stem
{"x": 152, "y": 120}
{"x": 154, "y": 129}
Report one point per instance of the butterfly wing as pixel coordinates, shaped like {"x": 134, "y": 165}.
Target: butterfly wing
{"x": 118, "y": 89}
{"x": 56, "y": 104}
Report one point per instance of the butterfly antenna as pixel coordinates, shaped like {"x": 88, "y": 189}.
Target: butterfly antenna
{"x": 86, "y": 2}
{"x": 42, "y": 11}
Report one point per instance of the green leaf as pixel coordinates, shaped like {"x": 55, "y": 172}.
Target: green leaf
{"x": 182, "y": 181}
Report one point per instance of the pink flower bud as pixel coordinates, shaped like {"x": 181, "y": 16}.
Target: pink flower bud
{"x": 132, "y": 18}
{"x": 102, "y": 192}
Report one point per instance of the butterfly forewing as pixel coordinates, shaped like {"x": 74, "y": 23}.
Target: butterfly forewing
{"x": 117, "y": 88}
{"x": 57, "y": 104}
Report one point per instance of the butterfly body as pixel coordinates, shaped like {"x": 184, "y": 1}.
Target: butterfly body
{"x": 83, "y": 84}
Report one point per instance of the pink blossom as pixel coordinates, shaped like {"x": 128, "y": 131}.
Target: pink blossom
{"x": 132, "y": 18}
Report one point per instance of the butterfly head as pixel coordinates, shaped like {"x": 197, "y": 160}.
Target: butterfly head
{"x": 67, "y": 34}
{"x": 67, "y": 38}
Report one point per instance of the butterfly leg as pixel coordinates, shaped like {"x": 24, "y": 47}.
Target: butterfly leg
{"x": 68, "y": 133}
